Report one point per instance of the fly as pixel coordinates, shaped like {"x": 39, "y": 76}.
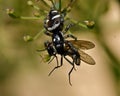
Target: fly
{"x": 73, "y": 49}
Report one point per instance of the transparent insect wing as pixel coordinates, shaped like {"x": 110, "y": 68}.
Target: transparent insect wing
{"x": 86, "y": 58}
{"x": 82, "y": 44}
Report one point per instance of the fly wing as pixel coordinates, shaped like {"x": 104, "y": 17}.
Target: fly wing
{"x": 86, "y": 58}
{"x": 82, "y": 44}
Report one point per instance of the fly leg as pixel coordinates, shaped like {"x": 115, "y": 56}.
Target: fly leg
{"x": 70, "y": 62}
{"x": 57, "y": 65}
{"x": 52, "y": 59}
{"x": 73, "y": 67}
{"x": 69, "y": 74}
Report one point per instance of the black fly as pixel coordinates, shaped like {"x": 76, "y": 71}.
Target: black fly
{"x": 73, "y": 49}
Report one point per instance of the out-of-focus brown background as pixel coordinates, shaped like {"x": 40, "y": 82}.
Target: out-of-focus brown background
{"x": 22, "y": 72}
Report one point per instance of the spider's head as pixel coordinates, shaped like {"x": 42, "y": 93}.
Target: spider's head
{"x": 54, "y": 21}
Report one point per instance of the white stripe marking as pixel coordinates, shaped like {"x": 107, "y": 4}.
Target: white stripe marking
{"x": 53, "y": 27}
{"x": 54, "y": 11}
{"x": 47, "y": 21}
{"x": 57, "y": 16}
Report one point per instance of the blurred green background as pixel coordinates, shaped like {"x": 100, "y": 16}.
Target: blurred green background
{"x": 22, "y": 72}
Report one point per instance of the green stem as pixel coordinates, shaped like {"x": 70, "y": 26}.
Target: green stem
{"x": 30, "y": 18}
{"x": 60, "y": 5}
{"x": 38, "y": 34}
{"x": 53, "y": 3}
{"x": 45, "y": 3}
{"x": 79, "y": 23}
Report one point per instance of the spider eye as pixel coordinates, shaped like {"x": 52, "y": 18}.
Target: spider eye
{"x": 56, "y": 22}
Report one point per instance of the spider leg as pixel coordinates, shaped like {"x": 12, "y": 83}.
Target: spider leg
{"x": 48, "y": 33}
{"x": 68, "y": 27}
{"x": 69, "y": 35}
